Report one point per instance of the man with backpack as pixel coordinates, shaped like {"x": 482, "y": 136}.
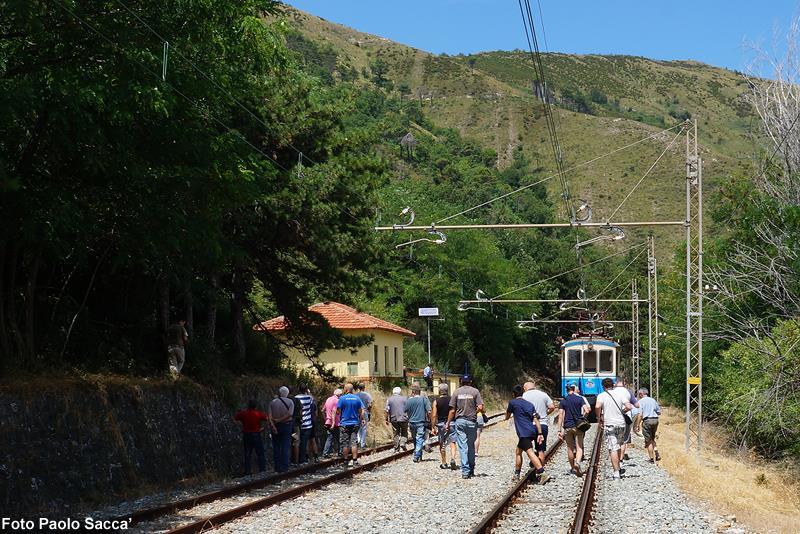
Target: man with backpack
{"x": 572, "y": 414}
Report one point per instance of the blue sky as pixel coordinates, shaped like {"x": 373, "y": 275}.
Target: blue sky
{"x": 711, "y": 31}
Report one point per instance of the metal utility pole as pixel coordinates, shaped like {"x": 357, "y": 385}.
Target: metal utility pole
{"x": 694, "y": 291}
{"x": 429, "y": 340}
{"x": 652, "y": 315}
{"x": 635, "y": 334}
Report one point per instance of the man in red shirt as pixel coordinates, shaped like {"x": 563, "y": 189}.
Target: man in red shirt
{"x": 251, "y": 435}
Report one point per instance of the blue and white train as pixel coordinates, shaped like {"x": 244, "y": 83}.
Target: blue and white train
{"x": 587, "y": 360}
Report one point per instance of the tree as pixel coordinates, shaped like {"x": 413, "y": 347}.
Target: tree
{"x": 127, "y": 198}
{"x": 379, "y": 69}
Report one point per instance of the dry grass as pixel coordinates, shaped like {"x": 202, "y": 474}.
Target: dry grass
{"x": 762, "y": 495}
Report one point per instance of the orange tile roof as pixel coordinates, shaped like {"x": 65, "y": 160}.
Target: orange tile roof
{"x": 341, "y": 317}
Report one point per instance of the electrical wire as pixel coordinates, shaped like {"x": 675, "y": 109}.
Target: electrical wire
{"x": 653, "y": 166}
{"x": 208, "y": 77}
{"x": 572, "y": 168}
{"x": 566, "y": 272}
{"x": 201, "y": 109}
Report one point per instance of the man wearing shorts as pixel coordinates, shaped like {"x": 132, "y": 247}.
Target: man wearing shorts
{"x": 544, "y": 407}
{"x": 526, "y": 423}
{"x": 441, "y": 407}
{"x": 351, "y": 410}
{"x": 609, "y": 408}
{"x": 650, "y": 412}
{"x": 626, "y": 439}
{"x": 572, "y": 409}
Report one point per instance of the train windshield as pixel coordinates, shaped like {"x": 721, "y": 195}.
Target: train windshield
{"x": 590, "y": 361}
{"x": 574, "y": 361}
{"x": 606, "y": 361}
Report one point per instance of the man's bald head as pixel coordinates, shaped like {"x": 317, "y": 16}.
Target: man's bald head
{"x": 348, "y": 388}
{"x": 529, "y": 386}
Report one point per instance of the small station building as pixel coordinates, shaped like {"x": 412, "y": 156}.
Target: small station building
{"x": 382, "y": 358}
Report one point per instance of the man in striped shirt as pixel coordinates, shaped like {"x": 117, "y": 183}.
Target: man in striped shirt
{"x": 306, "y": 423}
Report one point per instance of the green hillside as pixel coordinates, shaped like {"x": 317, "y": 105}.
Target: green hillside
{"x": 602, "y": 103}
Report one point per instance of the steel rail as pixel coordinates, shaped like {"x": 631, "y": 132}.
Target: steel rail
{"x": 523, "y": 226}
{"x": 583, "y": 514}
{"x": 215, "y": 521}
{"x": 490, "y": 520}
{"x": 155, "y": 512}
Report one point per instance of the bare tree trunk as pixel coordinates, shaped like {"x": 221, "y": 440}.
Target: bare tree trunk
{"x": 237, "y": 316}
{"x": 188, "y": 304}
{"x": 211, "y": 319}
{"x": 4, "y": 347}
{"x": 30, "y": 304}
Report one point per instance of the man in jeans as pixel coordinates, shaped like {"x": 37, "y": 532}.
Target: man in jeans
{"x": 465, "y": 404}
{"x": 366, "y": 400}
{"x": 418, "y": 411}
{"x": 251, "y": 435}
{"x": 396, "y": 416}
{"x": 609, "y": 408}
{"x": 351, "y": 410}
{"x": 332, "y": 425}
{"x": 281, "y": 414}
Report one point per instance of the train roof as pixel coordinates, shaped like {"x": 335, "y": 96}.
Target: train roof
{"x": 594, "y": 340}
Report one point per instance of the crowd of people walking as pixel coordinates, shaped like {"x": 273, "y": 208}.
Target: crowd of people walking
{"x": 456, "y": 419}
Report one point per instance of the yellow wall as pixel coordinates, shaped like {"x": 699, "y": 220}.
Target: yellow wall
{"x": 386, "y": 342}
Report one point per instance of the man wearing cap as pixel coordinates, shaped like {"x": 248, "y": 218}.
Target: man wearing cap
{"x": 465, "y": 404}
{"x": 396, "y": 416}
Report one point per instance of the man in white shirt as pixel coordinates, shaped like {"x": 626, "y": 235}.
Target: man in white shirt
{"x": 544, "y": 407}
{"x": 609, "y": 408}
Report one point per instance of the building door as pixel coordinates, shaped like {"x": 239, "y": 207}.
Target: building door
{"x": 375, "y": 354}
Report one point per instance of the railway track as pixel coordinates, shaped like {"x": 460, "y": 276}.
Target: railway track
{"x": 141, "y": 518}
{"x": 580, "y": 522}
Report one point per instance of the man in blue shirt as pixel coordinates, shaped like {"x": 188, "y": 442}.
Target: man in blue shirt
{"x": 572, "y": 410}
{"x": 650, "y": 412}
{"x": 351, "y": 410}
{"x": 418, "y": 410}
{"x": 526, "y": 423}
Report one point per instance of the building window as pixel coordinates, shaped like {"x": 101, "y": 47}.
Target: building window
{"x": 375, "y": 354}
{"x": 386, "y": 360}
{"x": 395, "y": 361}
{"x": 352, "y": 368}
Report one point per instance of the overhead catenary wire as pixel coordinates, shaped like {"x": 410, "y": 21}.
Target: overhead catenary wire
{"x": 538, "y": 282}
{"x": 550, "y": 177}
{"x": 646, "y": 174}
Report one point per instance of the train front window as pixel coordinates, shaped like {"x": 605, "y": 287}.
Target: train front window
{"x": 606, "y": 361}
{"x": 574, "y": 361}
{"x": 590, "y": 361}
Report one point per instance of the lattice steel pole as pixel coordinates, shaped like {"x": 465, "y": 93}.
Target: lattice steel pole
{"x": 652, "y": 319}
{"x": 694, "y": 291}
{"x": 635, "y": 332}
{"x": 657, "y": 340}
